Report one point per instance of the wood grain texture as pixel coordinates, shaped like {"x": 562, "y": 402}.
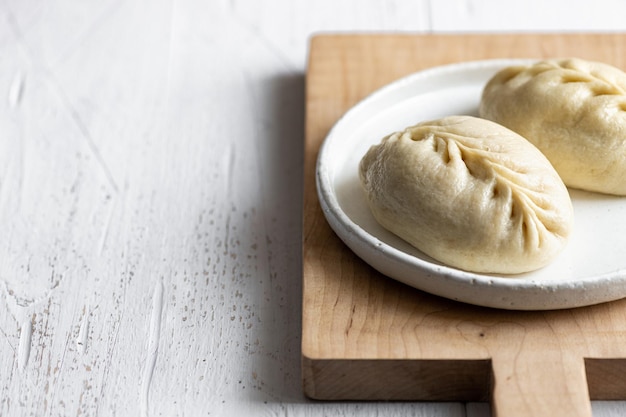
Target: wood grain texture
{"x": 354, "y": 318}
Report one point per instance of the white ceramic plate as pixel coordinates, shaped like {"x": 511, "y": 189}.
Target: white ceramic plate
{"x": 591, "y": 270}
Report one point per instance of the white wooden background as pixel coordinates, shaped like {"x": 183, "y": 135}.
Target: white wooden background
{"x": 150, "y": 182}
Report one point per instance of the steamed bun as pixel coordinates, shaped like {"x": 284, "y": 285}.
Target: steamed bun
{"x": 470, "y": 194}
{"x": 574, "y": 111}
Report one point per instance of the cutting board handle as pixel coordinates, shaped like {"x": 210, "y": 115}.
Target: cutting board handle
{"x": 540, "y": 384}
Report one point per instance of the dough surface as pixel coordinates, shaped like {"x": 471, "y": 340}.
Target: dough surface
{"x": 574, "y": 111}
{"x": 470, "y": 194}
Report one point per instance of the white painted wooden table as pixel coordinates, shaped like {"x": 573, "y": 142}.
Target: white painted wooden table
{"x": 150, "y": 196}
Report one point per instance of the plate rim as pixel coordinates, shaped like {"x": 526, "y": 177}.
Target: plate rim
{"x": 452, "y": 281}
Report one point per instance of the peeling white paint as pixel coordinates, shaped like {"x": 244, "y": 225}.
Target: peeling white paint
{"x": 153, "y": 347}
{"x": 15, "y": 91}
{"x": 24, "y": 347}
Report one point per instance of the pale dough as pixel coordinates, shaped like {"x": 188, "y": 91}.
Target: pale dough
{"x": 470, "y": 194}
{"x": 574, "y": 111}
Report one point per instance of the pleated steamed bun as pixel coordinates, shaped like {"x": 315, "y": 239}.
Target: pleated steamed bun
{"x": 469, "y": 193}
{"x": 574, "y": 111}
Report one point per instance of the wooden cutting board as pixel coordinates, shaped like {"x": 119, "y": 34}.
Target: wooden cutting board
{"x": 367, "y": 337}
